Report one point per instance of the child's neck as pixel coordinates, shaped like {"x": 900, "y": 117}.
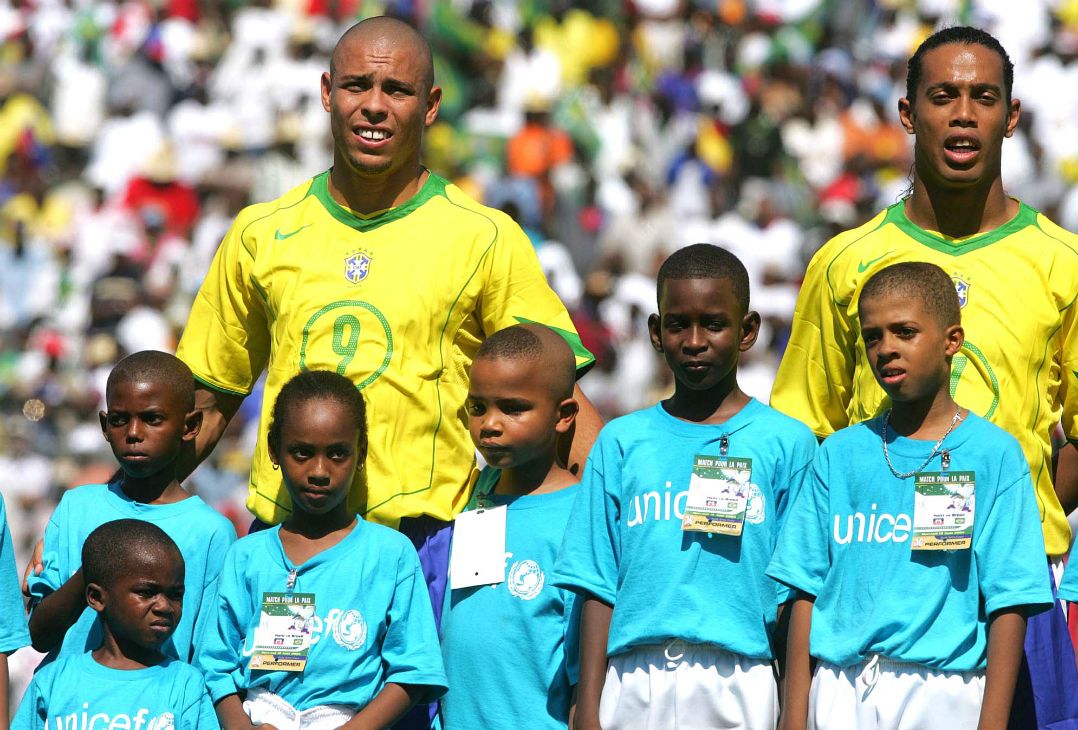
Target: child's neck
{"x": 540, "y": 476}
{"x": 160, "y": 488}
{"x": 117, "y": 652}
{"x": 304, "y": 535}
{"x": 925, "y": 419}
{"x": 715, "y": 405}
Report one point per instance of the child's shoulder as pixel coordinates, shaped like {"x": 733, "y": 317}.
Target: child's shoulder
{"x": 84, "y": 494}
{"x": 182, "y": 673}
{"x": 854, "y": 436}
{"x": 207, "y": 518}
{"x": 782, "y": 426}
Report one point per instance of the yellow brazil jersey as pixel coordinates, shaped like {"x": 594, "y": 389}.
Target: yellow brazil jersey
{"x": 1018, "y": 368}
{"x": 398, "y": 301}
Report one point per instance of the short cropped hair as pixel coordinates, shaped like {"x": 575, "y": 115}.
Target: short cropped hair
{"x": 113, "y": 548}
{"x": 705, "y": 261}
{"x": 153, "y": 366}
{"x": 925, "y": 282}
{"x": 311, "y": 385}
{"x": 534, "y": 343}
{"x": 963, "y": 34}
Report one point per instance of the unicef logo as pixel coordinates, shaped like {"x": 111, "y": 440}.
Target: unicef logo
{"x": 350, "y": 631}
{"x": 755, "y": 508}
{"x": 525, "y": 579}
{"x": 164, "y": 721}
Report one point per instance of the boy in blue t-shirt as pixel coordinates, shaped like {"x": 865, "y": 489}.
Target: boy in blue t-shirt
{"x": 915, "y": 543}
{"x": 675, "y": 520}
{"x": 134, "y": 576}
{"x": 150, "y": 420}
{"x": 510, "y": 641}
{"x": 13, "y": 634}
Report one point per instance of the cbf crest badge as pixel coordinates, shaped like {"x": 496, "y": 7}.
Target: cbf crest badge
{"x": 357, "y": 266}
{"x": 961, "y": 286}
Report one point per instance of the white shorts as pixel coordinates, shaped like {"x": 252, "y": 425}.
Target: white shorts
{"x": 880, "y": 694}
{"x": 687, "y": 687}
{"x": 266, "y": 708}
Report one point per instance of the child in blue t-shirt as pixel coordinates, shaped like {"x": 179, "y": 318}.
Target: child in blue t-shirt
{"x": 325, "y": 617}
{"x": 915, "y": 543}
{"x": 13, "y": 633}
{"x": 675, "y": 520}
{"x": 151, "y": 418}
{"x": 134, "y": 576}
{"x": 510, "y": 640}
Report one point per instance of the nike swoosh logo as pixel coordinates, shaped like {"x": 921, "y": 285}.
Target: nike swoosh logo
{"x": 281, "y": 236}
{"x": 863, "y": 266}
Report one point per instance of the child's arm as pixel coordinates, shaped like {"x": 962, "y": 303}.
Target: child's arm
{"x": 57, "y": 612}
{"x": 594, "y": 633}
{"x": 1006, "y": 635}
{"x": 798, "y": 678}
{"x": 230, "y": 713}
{"x": 387, "y": 707}
{"x": 4, "y": 711}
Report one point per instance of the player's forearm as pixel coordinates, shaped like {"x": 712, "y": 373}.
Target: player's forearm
{"x": 57, "y": 612}
{"x": 585, "y": 431}
{"x": 4, "y": 710}
{"x": 798, "y": 678}
{"x": 217, "y": 409}
{"x": 594, "y": 634}
{"x": 1006, "y": 635}
{"x": 386, "y": 708}
{"x": 1066, "y": 477}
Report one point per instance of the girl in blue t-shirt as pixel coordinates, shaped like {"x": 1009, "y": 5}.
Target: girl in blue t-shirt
{"x": 325, "y": 617}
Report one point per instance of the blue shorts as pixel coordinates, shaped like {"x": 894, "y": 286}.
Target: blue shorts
{"x": 1046, "y": 696}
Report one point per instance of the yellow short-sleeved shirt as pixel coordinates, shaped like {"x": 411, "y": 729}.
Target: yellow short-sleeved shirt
{"x": 398, "y": 301}
{"x": 1019, "y": 367}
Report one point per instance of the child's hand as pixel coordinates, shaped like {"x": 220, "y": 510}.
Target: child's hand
{"x": 34, "y": 566}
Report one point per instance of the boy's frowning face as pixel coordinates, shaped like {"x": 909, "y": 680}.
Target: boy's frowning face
{"x": 143, "y": 604}
{"x": 146, "y": 425}
{"x": 908, "y": 348}
{"x": 701, "y": 330}
{"x": 514, "y": 415}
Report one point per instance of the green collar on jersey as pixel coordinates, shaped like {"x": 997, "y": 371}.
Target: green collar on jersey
{"x": 896, "y": 214}
{"x": 434, "y": 186}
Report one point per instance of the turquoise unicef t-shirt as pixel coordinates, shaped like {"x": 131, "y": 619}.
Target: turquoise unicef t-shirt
{"x": 76, "y": 692}
{"x": 372, "y": 622}
{"x": 13, "y": 633}
{"x": 1068, "y": 587}
{"x": 202, "y": 534}
{"x": 525, "y": 629}
{"x": 624, "y": 543}
{"x": 847, "y": 541}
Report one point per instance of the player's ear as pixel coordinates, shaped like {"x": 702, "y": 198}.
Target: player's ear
{"x": 1014, "y": 113}
{"x": 905, "y": 114}
{"x": 955, "y": 337}
{"x": 327, "y": 87}
{"x": 654, "y": 332}
{"x": 95, "y": 597}
{"x": 103, "y": 417}
{"x": 434, "y": 102}
{"x": 750, "y": 330}
{"x": 567, "y": 411}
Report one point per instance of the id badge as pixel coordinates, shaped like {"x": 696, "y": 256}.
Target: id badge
{"x": 718, "y": 495}
{"x": 943, "y": 510}
{"x": 477, "y": 557}
{"x": 283, "y": 636}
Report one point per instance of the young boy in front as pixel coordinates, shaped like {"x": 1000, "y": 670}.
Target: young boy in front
{"x": 675, "y": 520}
{"x": 134, "y": 577}
{"x": 915, "y": 542}
{"x": 149, "y": 421}
{"x": 509, "y": 642}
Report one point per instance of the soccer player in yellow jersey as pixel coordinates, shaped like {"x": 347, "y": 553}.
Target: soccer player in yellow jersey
{"x": 384, "y": 272}
{"x": 1016, "y": 274}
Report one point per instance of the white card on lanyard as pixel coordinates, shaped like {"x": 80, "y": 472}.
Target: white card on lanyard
{"x": 478, "y": 554}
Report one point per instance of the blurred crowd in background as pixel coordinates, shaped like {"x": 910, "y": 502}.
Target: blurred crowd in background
{"x": 131, "y": 133}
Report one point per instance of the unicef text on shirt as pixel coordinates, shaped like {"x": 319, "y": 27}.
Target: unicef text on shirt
{"x": 873, "y": 528}
{"x": 89, "y": 720}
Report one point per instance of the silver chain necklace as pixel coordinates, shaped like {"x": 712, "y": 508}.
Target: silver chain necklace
{"x": 935, "y": 449}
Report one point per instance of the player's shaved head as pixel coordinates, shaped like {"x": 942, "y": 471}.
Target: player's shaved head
{"x": 151, "y": 366}
{"x": 927, "y": 283}
{"x": 396, "y": 32}
{"x": 535, "y": 343}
